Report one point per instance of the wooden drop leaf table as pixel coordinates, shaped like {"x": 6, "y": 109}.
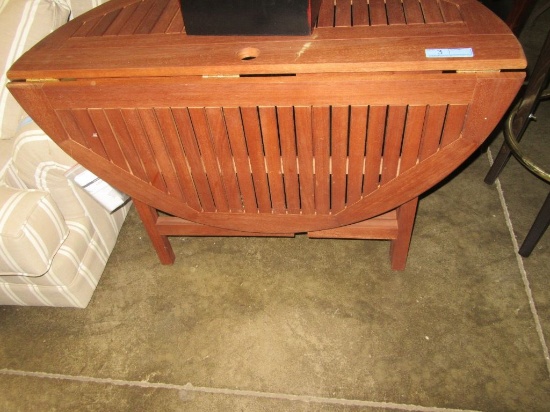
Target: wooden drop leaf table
{"x": 334, "y": 134}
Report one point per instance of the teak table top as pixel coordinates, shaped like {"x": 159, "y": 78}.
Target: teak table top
{"x": 140, "y": 38}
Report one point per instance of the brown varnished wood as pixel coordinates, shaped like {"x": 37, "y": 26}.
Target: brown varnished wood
{"x": 334, "y": 134}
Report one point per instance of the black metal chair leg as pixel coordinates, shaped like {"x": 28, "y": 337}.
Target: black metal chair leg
{"x": 540, "y": 225}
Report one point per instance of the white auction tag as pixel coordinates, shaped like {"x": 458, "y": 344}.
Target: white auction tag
{"x": 462, "y": 52}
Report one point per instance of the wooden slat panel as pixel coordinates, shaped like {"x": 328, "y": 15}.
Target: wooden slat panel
{"x": 107, "y": 137}
{"x": 304, "y": 137}
{"x": 270, "y": 135}
{"x": 393, "y": 140}
{"x": 413, "y": 12}
{"x": 170, "y": 12}
{"x": 321, "y": 153}
{"x": 147, "y": 170}
{"x": 139, "y": 14}
{"x": 208, "y": 157}
{"x": 358, "y": 130}
{"x": 285, "y": 117}
{"x": 431, "y": 11}
{"x": 413, "y": 133}
{"x": 395, "y": 12}
{"x": 377, "y": 11}
{"x": 432, "y": 130}
{"x": 225, "y": 159}
{"x": 143, "y": 147}
{"x": 151, "y": 18}
{"x": 342, "y": 12}
{"x": 339, "y": 151}
{"x": 193, "y": 155}
{"x": 255, "y": 151}
{"x": 360, "y": 13}
{"x": 176, "y": 153}
{"x": 453, "y": 123}
{"x": 375, "y": 139}
{"x": 89, "y": 132}
{"x": 450, "y": 11}
{"x": 154, "y": 134}
{"x": 326, "y": 14}
{"x": 237, "y": 140}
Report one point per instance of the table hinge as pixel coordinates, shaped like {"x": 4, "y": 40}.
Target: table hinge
{"x": 42, "y": 80}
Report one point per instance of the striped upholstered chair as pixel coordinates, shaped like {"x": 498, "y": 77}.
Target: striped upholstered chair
{"x": 54, "y": 239}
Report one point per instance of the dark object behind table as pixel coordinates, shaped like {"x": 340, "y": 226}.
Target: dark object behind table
{"x": 249, "y": 17}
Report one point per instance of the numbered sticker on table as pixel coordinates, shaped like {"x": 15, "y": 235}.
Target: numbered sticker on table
{"x": 462, "y": 52}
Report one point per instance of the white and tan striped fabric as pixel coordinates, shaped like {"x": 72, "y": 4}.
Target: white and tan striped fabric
{"x": 55, "y": 240}
{"x": 23, "y": 23}
{"x": 32, "y": 230}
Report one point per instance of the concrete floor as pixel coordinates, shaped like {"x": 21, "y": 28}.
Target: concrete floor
{"x": 311, "y": 325}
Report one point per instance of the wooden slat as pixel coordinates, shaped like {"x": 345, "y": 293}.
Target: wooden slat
{"x": 89, "y": 132}
{"x": 326, "y": 14}
{"x": 176, "y": 26}
{"x": 453, "y": 123}
{"x": 237, "y": 141}
{"x": 152, "y": 131}
{"x": 208, "y": 157}
{"x": 151, "y": 18}
{"x": 285, "y": 117}
{"x": 431, "y": 11}
{"x": 270, "y": 137}
{"x": 395, "y": 12}
{"x": 413, "y": 12}
{"x": 135, "y": 155}
{"x": 304, "y": 137}
{"x": 412, "y": 137}
{"x": 143, "y": 148}
{"x": 321, "y": 153}
{"x": 169, "y": 13}
{"x": 138, "y": 15}
{"x": 103, "y": 25}
{"x": 450, "y": 11}
{"x": 193, "y": 156}
{"x": 253, "y": 138}
{"x": 377, "y": 12}
{"x": 342, "y": 12}
{"x": 432, "y": 130}
{"x": 121, "y": 19}
{"x": 393, "y": 141}
{"x": 175, "y": 150}
{"x": 358, "y": 130}
{"x": 339, "y": 150}
{"x": 69, "y": 124}
{"x": 107, "y": 137}
{"x": 87, "y": 26}
{"x": 225, "y": 159}
{"x": 360, "y": 13}
{"x": 375, "y": 138}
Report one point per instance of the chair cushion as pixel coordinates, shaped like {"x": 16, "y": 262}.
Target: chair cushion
{"x": 32, "y": 230}
{"x": 23, "y": 23}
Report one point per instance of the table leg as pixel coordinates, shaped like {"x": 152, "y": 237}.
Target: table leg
{"x": 399, "y": 248}
{"x": 161, "y": 243}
